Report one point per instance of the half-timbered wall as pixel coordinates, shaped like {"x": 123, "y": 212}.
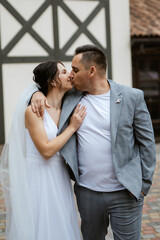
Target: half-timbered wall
{"x": 32, "y": 31}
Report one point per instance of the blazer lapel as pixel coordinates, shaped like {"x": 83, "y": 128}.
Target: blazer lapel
{"x": 68, "y": 105}
{"x": 115, "y": 109}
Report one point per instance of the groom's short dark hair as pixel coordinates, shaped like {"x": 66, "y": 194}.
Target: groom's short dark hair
{"x": 92, "y": 54}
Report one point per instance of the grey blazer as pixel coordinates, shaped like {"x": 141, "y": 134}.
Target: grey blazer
{"x": 132, "y": 138}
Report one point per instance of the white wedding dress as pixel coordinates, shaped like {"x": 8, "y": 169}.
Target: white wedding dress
{"x": 52, "y": 200}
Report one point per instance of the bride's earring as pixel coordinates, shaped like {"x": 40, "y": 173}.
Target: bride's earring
{"x": 53, "y": 84}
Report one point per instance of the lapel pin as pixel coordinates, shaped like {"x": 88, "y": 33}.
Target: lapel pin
{"x": 118, "y": 100}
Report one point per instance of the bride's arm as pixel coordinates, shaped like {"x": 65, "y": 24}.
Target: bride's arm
{"x": 38, "y": 134}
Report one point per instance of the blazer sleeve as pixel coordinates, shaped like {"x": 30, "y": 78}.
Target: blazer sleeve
{"x": 145, "y": 138}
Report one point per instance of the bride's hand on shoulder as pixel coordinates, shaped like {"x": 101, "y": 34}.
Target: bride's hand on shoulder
{"x": 78, "y": 117}
{"x": 38, "y": 103}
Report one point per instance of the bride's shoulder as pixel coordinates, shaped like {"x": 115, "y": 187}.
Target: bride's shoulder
{"x": 29, "y": 114}
{"x": 28, "y": 110}
{"x": 31, "y": 119}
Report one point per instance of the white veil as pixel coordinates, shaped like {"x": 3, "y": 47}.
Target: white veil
{"x": 19, "y": 219}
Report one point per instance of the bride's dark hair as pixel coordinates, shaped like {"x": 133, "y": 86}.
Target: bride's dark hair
{"x": 44, "y": 74}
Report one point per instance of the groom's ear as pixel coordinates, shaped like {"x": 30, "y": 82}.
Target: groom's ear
{"x": 92, "y": 70}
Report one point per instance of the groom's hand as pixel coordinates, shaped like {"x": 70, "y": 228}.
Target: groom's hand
{"x": 38, "y": 103}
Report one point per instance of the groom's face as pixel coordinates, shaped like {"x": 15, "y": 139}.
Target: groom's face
{"x": 79, "y": 73}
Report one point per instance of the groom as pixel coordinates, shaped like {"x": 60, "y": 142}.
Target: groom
{"x": 112, "y": 155}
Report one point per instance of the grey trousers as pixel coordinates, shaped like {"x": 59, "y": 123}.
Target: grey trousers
{"x": 98, "y": 208}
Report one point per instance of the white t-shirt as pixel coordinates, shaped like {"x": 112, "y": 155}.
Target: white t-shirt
{"x": 94, "y": 146}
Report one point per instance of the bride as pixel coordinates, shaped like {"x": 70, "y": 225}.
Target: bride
{"x": 35, "y": 181}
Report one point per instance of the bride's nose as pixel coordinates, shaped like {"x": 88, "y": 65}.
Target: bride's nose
{"x": 71, "y": 74}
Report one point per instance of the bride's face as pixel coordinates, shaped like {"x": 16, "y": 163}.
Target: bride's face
{"x": 63, "y": 76}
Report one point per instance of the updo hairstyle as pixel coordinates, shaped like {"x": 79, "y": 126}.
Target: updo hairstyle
{"x": 44, "y": 74}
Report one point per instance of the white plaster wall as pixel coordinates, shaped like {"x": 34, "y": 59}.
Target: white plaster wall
{"x": 120, "y": 42}
{"x": 16, "y": 77}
